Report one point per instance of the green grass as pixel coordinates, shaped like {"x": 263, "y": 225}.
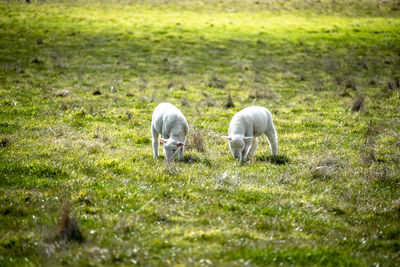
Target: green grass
{"x": 79, "y": 81}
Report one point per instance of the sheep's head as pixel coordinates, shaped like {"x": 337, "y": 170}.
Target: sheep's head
{"x": 237, "y": 144}
{"x": 171, "y": 147}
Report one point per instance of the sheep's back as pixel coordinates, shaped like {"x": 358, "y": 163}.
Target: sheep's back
{"x": 250, "y": 121}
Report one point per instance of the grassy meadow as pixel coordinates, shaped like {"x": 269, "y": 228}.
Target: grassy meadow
{"x": 79, "y": 81}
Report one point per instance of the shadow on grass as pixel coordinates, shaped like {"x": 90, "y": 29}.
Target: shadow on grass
{"x": 189, "y": 158}
{"x": 278, "y": 159}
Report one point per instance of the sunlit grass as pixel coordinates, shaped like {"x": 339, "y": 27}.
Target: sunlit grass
{"x": 79, "y": 81}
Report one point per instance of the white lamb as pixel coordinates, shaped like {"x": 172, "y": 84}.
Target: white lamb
{"x": 246, "y": 126}
{"x": 169, "y": 121}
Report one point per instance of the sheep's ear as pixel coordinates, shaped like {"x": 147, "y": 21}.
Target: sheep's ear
{"x": 180, "y": 144}
{"x": 227, "y": 138}
{"x": 164, "y": 141}
{"x": 247, "y": 138}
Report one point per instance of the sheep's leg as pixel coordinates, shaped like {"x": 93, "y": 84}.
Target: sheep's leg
{"x": 253, "y": 147}
{"x": 180, "y": 155}
{"x": 154, "y": 142}
{"x": 245, "y": 151}
{"x": 272, "y": 140}
{"x": 164, "y": 136}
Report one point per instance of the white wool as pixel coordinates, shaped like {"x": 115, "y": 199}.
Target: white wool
{"x": 169, "y": 121}
{"x": 246, "y": 126}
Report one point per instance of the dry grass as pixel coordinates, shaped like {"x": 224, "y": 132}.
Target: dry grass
{"x": 351, "y": 84}
{"x": 67, "y": 228}
{"x": 209, "y": 102}
{"x": 215, "y": 82}
{"x": 196, "y": 141}
{"x": 130, "y": 94}
{"x": 176, "y": 85}
{"x": 382, "y": 174}
{"x": 185, "y": 102}
{"x": 260, "y": 92}
{"x": 324, "y": 166}
{"x": 229, "y": 101}
{"x": 63, "y": 93}
{"x": 394, "y": 84}
{"x": 358, "y": 102}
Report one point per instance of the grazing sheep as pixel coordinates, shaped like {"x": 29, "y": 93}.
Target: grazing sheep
{"x": 246, "y": 126}
{"x": 169, "y": 121}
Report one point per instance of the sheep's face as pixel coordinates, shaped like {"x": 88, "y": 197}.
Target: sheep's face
{"x": 171, "y": 148}
{"x": 237, "y": 146}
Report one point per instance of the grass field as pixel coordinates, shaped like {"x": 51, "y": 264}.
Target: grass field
{"x": 79, "y": 81}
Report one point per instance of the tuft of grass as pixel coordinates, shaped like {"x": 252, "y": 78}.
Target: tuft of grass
{"x": 196, "y": 140}
{"x": 358, "y": 102}
{"x": 67, "y": 228}
{"x": 190, "y": 158}
{"x": 394, "y": 84}
{"x": 62, "y": 93}
{"x": 229, "y": 101}
{"x": 97, "y": 92}
{"x": 324, "y": 166}
{"x": 261, "y": 92}
{"x": 215, "y": 82}
{"x": 279, "y": 159}
{"x": 5, "y": 142}
{"x": 185, "y": 102}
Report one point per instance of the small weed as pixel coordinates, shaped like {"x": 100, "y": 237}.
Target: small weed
{"x": 229, "y": 101}
{"x": 36, "y": 61}
{"x": 185, "y": 102}
{"x": 358, "y": 102}
{"x": 130, "y": 94}
{"x": 129, "y": 115}
{"x": 345, "y": 93}
{"x": 372, "y": 82}
{"x": 215, "y": 82}
{"x": 67, "y": 228}
{"x": 350, "y": 84}
{"x": 338, "y": 80}
{"x": 96, "y": 92}
{"x": 394, "y": 84}
{"x": 369, "y": 154}
{"x": 4, "y": 142}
